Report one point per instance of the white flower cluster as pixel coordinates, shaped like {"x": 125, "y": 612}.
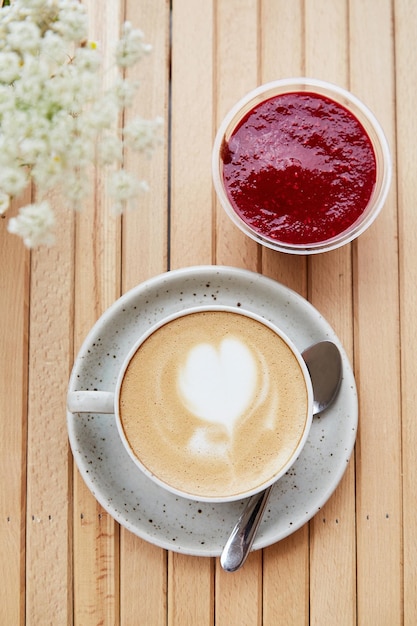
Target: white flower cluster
{"x": 55, "y": 118}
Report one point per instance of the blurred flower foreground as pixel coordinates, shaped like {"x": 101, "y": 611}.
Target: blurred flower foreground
{"x": 56, "y": 119}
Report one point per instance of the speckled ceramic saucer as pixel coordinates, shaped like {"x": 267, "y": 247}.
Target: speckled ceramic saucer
{"x": 134, "y": 500}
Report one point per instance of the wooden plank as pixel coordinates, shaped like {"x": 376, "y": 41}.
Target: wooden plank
{"x": 143, "y": 596}
{"x": 406, "y": 75}
{"x": 236, "y": 72}
{"x": 48, "y": 567}
{"x": 190, "y": 590}
{"x": 286, "y": 581}
{"x": 332, "y": 580}
{"x": 333, "y": 530}
{"x": 97, "y": 273}
{"x": 190, "y": 580}
{"x": 283, "y": 56}
{"x": 238, "y": 595}
{"x": 14, "y": 287}
{"x": 285, "y": 565}
{"x": 143, "y": 567}
{"x": 282, "y": 39}
{"x": 378, "y": 453}
{"x": 145, "y": 228}
{"x": 192, "y": 97}
{"x": 96, "y": 535}
{"x": 332, "y": 557}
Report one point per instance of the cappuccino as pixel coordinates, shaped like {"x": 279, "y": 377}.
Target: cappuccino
{"x": 214, "y": 403}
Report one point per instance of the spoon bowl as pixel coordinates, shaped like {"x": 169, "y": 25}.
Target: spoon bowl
{"x": 324, "y": 363}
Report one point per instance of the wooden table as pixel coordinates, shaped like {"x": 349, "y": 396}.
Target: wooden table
{"x": 64, "y": 560}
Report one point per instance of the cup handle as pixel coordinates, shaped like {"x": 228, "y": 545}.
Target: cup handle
{"x": 90, "y": 402}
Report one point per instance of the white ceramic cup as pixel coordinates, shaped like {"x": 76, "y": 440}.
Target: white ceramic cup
{"x": 108, "y": 402}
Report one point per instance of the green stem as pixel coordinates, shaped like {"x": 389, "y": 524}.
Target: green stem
{"x": 5, "y": 3}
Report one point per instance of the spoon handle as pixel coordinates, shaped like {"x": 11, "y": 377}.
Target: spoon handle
{"x": 238, "y": 546}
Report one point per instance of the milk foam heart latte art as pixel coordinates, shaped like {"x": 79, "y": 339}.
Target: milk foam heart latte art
{"x": 214, "y": 404}
{"x": 217, "y": 384}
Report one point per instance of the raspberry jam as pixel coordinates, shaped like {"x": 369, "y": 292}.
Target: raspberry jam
{"x": 299, "y": 168}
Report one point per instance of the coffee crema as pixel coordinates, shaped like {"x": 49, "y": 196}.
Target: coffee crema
{"x": 213, "y": 403}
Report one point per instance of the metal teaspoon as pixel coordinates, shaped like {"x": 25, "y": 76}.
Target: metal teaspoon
{"x": 324, "y": 364}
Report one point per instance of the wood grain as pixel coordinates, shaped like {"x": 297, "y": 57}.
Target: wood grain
{"x": 190, "y": 590}
{"x": 191, "y": 581}
{"x": 143, "y": 567}
{"x": 376, "y": 297}
{"x": 145, "y": 228}
{"x": 333, "y": 530}
{"x": 65, "y": 560}
{"x": 192, "y": 93}
{"x": 97, "y": 273}
{"x": 14, "y": 317}
{"x": 406, "y": 76}
{"x": 286, "y": 587}
{"x": 49, "y": 467}
{"x": 236, "y": 73}
{"x": 283, "y": 56}
{"x": 238, "y": 596}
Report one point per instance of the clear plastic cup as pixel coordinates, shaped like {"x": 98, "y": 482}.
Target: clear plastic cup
{"x": 357, "y": 109}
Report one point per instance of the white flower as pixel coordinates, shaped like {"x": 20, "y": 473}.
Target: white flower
{"x": 31, "y": 148}
{"x": 28, "y": 88}
{"x": 23, "y": 36}
{"x": 79, "y": 152}
{"x": 76, "y": 186}
{"x": 72, "y": 23}
{"x": 34, "y": 224}
{"x": 53, "y": 49}
{"x": 123, "y": 92}
{"x": 4, "y": 202}
{"x": 140, "y": 134}
{"x": 13, "y": 180}
{"x": 7, "y": 97}
{"x": 56, "y": 120}
{"x": 87, "y": 59}
{"x": 123, "y": 186}
{"x": 7, "y": 152}
{"x": 103, "y": 115}
{"x": 123, "y": 189}
{"x": 110, "y": 150}
{"x": 9, "y": 67}
{"x": 85, "y": 91}
{"x": 35, "y": 4}
{"x": 47, "y": 173}
{"x": 131, "y": 46}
